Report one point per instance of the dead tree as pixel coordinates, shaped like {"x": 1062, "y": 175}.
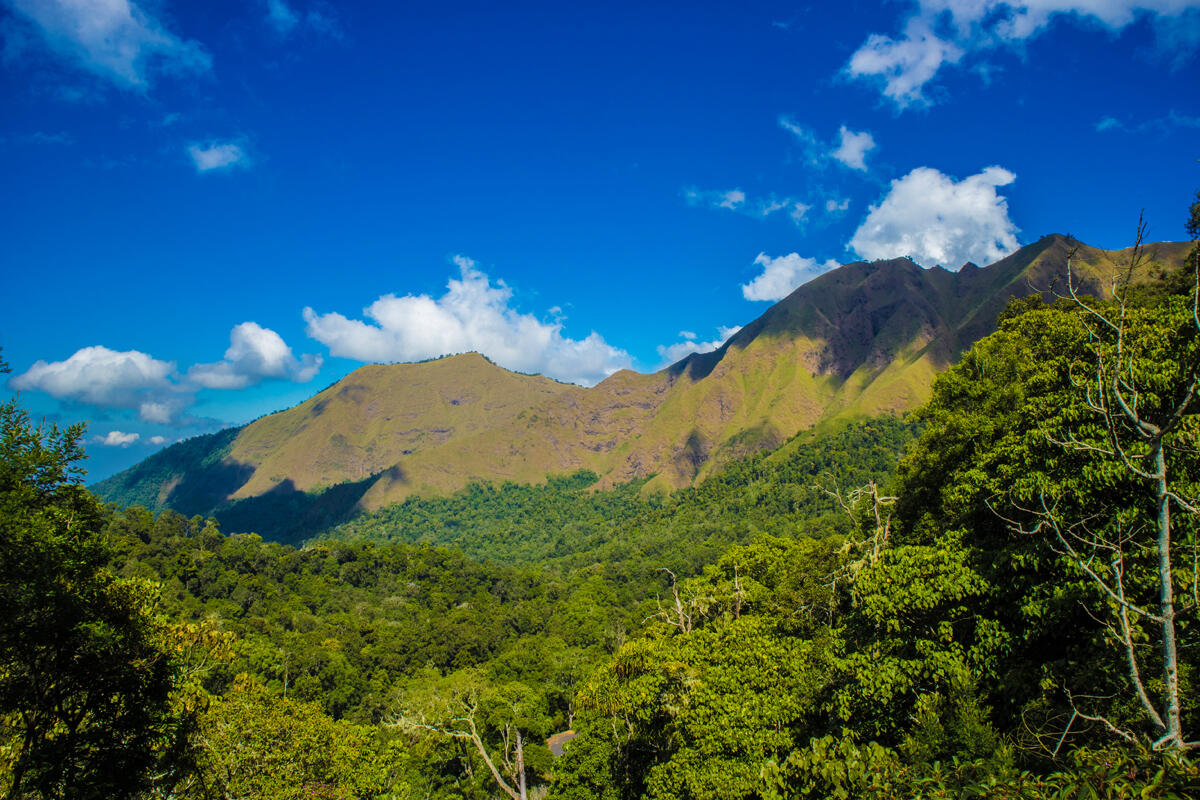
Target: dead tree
{"x": 459, "y": 720}
{"x": 682, "y": 614}
{"x": 868, "y": 537}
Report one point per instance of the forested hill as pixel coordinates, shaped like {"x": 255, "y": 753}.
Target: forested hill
{"x": 863, "y": 339}
{"x": 1009, "y": 610}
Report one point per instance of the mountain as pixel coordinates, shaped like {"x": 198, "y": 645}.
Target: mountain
{"x": 864, "y": 339}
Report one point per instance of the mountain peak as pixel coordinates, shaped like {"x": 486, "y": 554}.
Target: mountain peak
{"x": 863, "y": 339}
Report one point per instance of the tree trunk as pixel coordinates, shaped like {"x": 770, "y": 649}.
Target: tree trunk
{"x": 1172, "y": 738}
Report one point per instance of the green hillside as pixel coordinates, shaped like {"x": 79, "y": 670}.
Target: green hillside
{"x": 864, "y": 339}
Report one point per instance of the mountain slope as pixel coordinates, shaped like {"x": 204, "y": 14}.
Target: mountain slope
{"x": 864, "y": 339}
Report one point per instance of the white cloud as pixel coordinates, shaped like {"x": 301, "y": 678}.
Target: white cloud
{"x": 798, "y": 212}
{"x": 254, "y": 353}
{"x": 853, "y": 147}
{"x": 737, "y": 201}
{"x": 1177, "y": 38}
{"x": 782, "y": 275}
{"x": 850, "y": 148}
{"x": 157, "y": 440}
{"x": 135, "y": 381}
{"x": 837, "y": 206}
{"x": 806, "y": 136}
{"x": 670, "y": 353}
{"x": 217, "y": 155}
{"x": 119, "y": 439}
{"x": 935, "y": 220}
{"x": 113, "y": 38}
{"x": 474, "y": 315}
{"x": 164, "y": 411}
{"x": 106, "y": 378}
{"x": 904, "y": 66}
{"x": 1175, "y": 119}
{"x": 733, "y": 199}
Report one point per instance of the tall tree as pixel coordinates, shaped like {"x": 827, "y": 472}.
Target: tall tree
{"x": 1140, "y": 381}
{"x": 85, "y": 678}
{"x": 1063, "y": 455}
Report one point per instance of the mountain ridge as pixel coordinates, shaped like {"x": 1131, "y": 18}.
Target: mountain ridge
{"x": 863, "y": 339}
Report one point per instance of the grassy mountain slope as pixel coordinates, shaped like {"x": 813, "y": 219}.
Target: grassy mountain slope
{"x": 861, "y": 340}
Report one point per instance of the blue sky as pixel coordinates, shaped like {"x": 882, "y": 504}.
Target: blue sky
{"x": 213, "y": 210}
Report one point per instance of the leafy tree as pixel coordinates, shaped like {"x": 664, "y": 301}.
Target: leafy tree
{"x": 729, "y": 675}
{"x": 1061, "y": 456}
{"x": 256, "y": 744}
{"x": 85, "y": 679}
{"x": 1140, "y": 383}
{"x": 495, "y": 726}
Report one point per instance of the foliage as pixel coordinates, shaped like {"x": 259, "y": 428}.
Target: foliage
{"x": 257, "y": 744}
{"x": 841, "y": 768}
{"x": 85, "y": 676}
{"x": 480, "y": 735}
{"x": 1011, "y": 435}
{"x": 566, "y": 523}
{"x": 338, "y": 623}
{"x": 693, "y": 708}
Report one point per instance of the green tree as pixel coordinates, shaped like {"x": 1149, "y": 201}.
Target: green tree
{"x": 730, "y": 673}
{"x": 85, "y": 680}
{"x": 257, "y": 745}
{"x": 496, "y": 728}
{"x": 1061, "y": 456}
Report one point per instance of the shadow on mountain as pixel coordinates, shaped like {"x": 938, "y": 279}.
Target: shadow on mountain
{"x": 288, "y": 515}
{"x": 693, "y": 455}
{"x": 192, "y": 477}
{"x": 201, "y": 490}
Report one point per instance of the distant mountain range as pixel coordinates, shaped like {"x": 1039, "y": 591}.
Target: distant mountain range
{"x": 864, "y": 339}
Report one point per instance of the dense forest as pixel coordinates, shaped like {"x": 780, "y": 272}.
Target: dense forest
{"x": 996, "y": 597}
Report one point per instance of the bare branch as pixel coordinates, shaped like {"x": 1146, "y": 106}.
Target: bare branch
{"x": 1121, "y": 732}
{"x": 1047, "y": 519}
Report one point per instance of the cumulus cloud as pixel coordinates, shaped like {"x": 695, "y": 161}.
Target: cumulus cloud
{"x": 115, "y": 39}
{"x": 781, "y": 275}
{"x": 135, "y": 381}
{"x": 736, "y": 200}
{"x": 937, "y": 33}
{"x": 853, "y": 147}
{"x": 670, "y": 353}
{"x": 217, "y": 155}
{"x": 906, "y": 64}
{"x": 936, "y": 220}
{"x": 254, "y": 353}
{"x": 475, "y": 315}
{"x": 157, "y": 440}
{"x": 106, "y": 378}
{"x": 119, "y": 439}
{"x": 835, "y": 206}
